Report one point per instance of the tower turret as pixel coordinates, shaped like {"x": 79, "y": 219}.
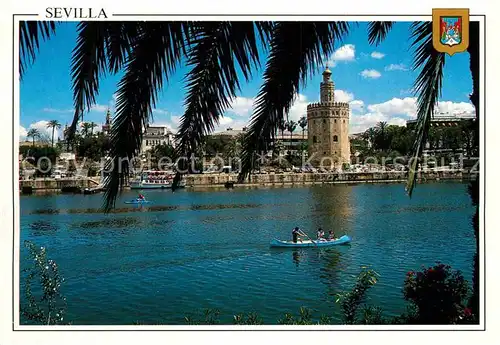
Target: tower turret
{"x": 327, "y": 87}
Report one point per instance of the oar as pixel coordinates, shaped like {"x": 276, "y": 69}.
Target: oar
{"x": 310, "y": 239}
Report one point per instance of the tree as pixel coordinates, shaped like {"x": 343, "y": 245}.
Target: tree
{"x": 370, "y": 134}
{"x": 381, "y": 136}
{"x": 282, "y": 126}
{"x": 33, "y": 133}
{"x": 53, "y": 124}
{"x": 92, "y": 125}
{"x": 86, "y": 128}
{"x": 291, "y": 126}
{"x": 303, "y": 125}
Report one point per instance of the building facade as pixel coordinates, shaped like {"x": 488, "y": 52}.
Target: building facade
{"x": 328, "y": 128}
{"x": 156, "y": 135}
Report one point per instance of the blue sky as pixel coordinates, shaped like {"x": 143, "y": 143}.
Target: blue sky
{"x": 377, "y": 82}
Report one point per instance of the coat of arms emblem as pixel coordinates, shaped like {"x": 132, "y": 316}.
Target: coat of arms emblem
{"x": 450, "y": 30}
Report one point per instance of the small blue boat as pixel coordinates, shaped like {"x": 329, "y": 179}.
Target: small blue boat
{"x": 138, "y": 201}
{"x": 308, "y": 243}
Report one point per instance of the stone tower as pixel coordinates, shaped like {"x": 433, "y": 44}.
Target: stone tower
{"x": 328, "y": 128}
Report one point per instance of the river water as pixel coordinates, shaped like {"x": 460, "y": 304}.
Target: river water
{"x": 194, "y": 250}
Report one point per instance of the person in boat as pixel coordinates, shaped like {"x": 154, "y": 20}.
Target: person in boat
{"x": 320, "y": 235}
{"x": 141, "y": 197}
{"x": 331, "y": 235}
{"x": 296, "y": 232}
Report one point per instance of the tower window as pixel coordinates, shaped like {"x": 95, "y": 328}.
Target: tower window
{"x": 324, "y": 121}
{"x": 324, "y": 153}
{"x": 344, "y": 121}
{"x": 335, "y": 152}
{"x": 314, "y": 121}
{"x": 335, "y": 121}
{"x": 146, "y": 143}
{"x": 335, "y": 138}
{"x": 314, "y": 139}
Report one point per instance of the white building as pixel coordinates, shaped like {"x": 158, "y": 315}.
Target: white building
{"x": 156, "y": 135}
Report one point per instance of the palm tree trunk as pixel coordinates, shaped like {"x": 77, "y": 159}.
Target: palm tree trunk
{"x": 53, "y": 129}
{"x": 303, "y": 133}
{"x": 33, "y": 141}
{"x": 473, "y": 50}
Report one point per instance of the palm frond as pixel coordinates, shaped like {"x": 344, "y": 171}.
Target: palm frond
{"x": 87, "y": 65}
{"x": 296, "y": 50}
{"x": 153, "y": 58}
{"x": 30, "y": 33}
{"x": 212, "y": 82}
{"x": 120, "y": 40}
{"x": 101, "y": 47}
{"x": 427, "y": 87}
{"x": 377, "y": 31}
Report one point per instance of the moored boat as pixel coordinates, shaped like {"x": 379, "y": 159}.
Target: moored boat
{"x": 308, "y": 243}
{"x": 152, "y": 179}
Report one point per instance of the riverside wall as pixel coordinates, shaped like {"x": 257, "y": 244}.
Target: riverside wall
{"x": 50, "y": 184}
{"x": 206, "y": 180}
{"x": 218, "y": 180}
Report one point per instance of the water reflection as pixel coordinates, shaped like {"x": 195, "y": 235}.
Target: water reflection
{"x": 41, "y": 228}
{"x": 297, "y": 256}
{"x": 333, "y": 208}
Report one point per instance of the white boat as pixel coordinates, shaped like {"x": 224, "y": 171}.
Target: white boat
{"x": 155, "y": 180}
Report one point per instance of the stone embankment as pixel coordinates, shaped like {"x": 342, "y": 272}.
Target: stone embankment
{"x": 221, "y": 180}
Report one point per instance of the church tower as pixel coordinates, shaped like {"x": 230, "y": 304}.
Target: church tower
{"x": 328, "y": 128}
{"x": 106, "y": 128}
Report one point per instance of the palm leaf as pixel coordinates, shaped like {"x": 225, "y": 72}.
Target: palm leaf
{"x": 101, "y": 47}
{"x": 154, "y": 57}
{"x": 427, "y": 87}
{"x": 87, "y": 65}
{"x": 29, "y": 39}
{"x": 296, "y": 50}
{"x": 212, "y": 82}
{"x": 377, "y": 31}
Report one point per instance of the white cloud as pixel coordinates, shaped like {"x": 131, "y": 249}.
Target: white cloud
{"x": 345, "y": 53}
{"x": 99, "y": 108}
{"x": 356, "y": 105}
{"x": 396, "y": 106}
{"x": 176, "y": 120}
{"x": 370, "y": 73}
{"x": 299, "y": 108}
{"x": 225, "y": 120}
{"x": 160, "y": 111}
{"x": 57, "y": 111}
{"x": 456, "y": 109}
{"x": 45, "y": 133}
{"x": 396, "y": 67}
{"x": 360, "y": 123}
{"x": 397, "y": 111}
{"x": 398, "y": 121}
{"x": 377, "y": 55}
{"x": 22, "y": 133}
{"x": 95, "y": 107}
{"x": 241, "y": 106}
{"x": 343, "y": 96}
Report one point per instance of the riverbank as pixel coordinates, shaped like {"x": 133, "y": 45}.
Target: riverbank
{"x": 285, "y": 179}
{"x": 229, "y": 180}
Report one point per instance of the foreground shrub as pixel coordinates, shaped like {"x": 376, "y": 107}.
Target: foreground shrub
{"x": 439, "y": 295}
{"x": 45, "y": 305}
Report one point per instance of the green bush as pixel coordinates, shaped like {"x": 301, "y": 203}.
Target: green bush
{"x": 46, "y": 305}
{"x": 439, "y": 295}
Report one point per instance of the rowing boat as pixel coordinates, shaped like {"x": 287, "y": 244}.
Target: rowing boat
{"x": 137, "y": 201}
{"x": 341, "y": 240}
